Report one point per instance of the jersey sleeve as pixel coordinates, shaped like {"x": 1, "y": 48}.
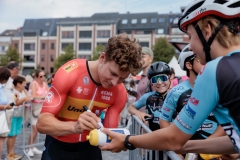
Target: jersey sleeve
{"x": 63, "y": 80}
{"x": 113, "y": 112}
{"x": 203, "y": 100}
{"x": 170, "y": 103}
{"x": 142, "y": 101}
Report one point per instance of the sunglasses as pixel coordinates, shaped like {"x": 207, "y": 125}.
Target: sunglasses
{"x": 161, "y": 77}
{"x": 42, "y": 76}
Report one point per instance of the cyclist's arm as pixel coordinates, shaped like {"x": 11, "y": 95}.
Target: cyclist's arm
{"x": 218, "y": 145}
{"x": 164, "y": 123}
{"x": 111, "y": 120}
{"x": 218, "y": 132}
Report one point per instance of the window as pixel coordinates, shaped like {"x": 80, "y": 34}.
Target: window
{"x": 42, "y": 68}
{"x": 153, "y": 20}
{"x": 67, "y": 34}
{"x": 3, "y": 48}
{"x": 29, "y": 46}
{"x": 16, "y": 45}
{"x": 124, "y": 21}
{"x": 134, "y": 21}
{"x": 160, "y": 31}
{"x": 52, "y": 46}
{"x": 161, "y": 20}
{"x": 29, "y": 58}
{"x": 175, "y": 21}
{"x": 170, "y": 20}
{"x": 51, "y": 69}
{"x": 144, "y": 20}
{"x": 101, "y": 43}
{"x": 52, "y": 58}
{"x": 85, "y": 47}
{"x": 64, "y": 45}
{"x": 29, "y": 34}
{"x": 85, "y": 34}
{"x": 144, "y": 44}
{"x": 42, "y": 58}
{"x": 44, "y": 34}
{"x": 139, "y": 32}
{"x": 103, "y": 34}
{"x": 43, "y": 46}
{"x": 84, "y": 56}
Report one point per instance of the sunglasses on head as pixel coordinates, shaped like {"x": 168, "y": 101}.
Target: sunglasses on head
{"x": 42, "y": 76}
{"x": 161, "y": 77}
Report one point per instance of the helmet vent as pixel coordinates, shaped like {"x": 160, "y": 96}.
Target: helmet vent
{"x": 197, "y": 5}
{"x": 235, "y": 5}
{"x": 220, "y": 1}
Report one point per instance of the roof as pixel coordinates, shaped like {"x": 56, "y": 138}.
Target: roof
{"x": 9, "y": 32}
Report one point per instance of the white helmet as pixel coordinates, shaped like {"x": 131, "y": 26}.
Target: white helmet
{"x": 226, "y": 9}
{"x": 186, "y": 53}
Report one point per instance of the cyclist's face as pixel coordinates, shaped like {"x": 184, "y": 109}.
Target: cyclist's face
{"x": 147, "y": 60}
{"x": 195, "y": 44}
{"x": 161, "y": 87}
{"x": 110, "y": 74}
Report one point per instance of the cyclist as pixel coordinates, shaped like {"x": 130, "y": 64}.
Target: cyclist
{"x": 159, "y": 74}
{"x": 212, "y": 27}
{"x": 180, "y": 94}
{"x": 96, "y": 84}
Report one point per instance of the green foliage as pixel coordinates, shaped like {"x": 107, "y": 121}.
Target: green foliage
{"x": 97, "y": 51}
{"x": 11, "y": 55}
{"x": 65, "y": 57}
{"x": 163, "y": 51}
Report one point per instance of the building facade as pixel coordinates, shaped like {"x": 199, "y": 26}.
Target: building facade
{"x": 41, "y": 41}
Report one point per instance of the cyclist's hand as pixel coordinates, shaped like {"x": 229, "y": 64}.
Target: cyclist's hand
{"x": 117, "y": 141}
{"x": 86, "y": 121}
{"x": 142, "y": 115}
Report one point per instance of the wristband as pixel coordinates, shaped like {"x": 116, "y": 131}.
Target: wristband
{"x": 127, "y": 144}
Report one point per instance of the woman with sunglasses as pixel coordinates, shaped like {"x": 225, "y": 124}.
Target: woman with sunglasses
{"x": 179, "y": 95}
{"x": 38, "y": 90}
{"x": 159, "y": 76}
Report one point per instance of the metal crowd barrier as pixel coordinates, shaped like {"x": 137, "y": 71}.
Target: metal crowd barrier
{"x": 25, "y": 144}
{"x": 138, "y": 128}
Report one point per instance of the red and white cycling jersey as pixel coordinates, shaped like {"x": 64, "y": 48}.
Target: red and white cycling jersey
{"x": 72, "y": 88}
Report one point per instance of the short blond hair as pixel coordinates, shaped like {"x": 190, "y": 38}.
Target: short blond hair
{"x": 224, "y": 36}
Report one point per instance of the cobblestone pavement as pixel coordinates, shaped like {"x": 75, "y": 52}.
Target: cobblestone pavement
{"x": 19, "y": 151}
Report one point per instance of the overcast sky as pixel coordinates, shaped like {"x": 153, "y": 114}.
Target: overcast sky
{"x": 14, "y": 12}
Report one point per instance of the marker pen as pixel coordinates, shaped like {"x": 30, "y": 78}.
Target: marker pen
{"x": 100, "y": 125}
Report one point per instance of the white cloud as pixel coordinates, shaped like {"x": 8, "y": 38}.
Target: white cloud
{"x": 14, "y": 12}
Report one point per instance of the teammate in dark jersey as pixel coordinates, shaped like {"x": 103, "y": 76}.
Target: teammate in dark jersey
{"x": 96, "y": 84}
{"x": 159, "y": 76}
{"x": 213, "y": 28}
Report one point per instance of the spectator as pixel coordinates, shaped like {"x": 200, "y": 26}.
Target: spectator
{"x": 4, "y": 102}
{"x": 50, "y": 80}
{"x": 17, "y": 119}
{"x": 39, "y": 91}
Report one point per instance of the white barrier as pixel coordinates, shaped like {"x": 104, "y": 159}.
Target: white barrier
{"x": 38, "y": 143}
{"x": 138, "y": 128}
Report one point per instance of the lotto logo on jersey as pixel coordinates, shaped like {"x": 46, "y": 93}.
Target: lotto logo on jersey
{"x": 70, "y": 66}
{"x": 193, "y": 101}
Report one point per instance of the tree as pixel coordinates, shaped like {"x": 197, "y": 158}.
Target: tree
{"x": 97, "y": 51}
{"x": 163, "y": 51}
{"x": 11, "y": 55}
{"x": 65, "y": 57}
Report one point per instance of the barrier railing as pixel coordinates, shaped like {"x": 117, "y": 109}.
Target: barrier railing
{"x": 25, "y": 146}
{"x": 137, "y": 128}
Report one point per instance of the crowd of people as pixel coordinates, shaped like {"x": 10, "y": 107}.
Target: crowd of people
{"x": 26, "y": 94}
{"x": 198, "y": 113}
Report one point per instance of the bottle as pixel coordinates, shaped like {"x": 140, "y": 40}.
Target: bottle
{"x": 210, "y": 156}
{"x": 97, "y": 138}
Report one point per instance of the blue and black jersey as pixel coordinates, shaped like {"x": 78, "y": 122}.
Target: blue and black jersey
{"x": 176, "y": 99}
{"x": 217, "y": 90}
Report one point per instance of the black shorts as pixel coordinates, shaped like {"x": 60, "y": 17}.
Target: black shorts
{"x": 57, "y": 150}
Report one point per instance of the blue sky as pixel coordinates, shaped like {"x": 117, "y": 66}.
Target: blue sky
{"x": 14, "y": 12}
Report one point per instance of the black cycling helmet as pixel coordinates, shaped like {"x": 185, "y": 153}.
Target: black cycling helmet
{"x": 158, "y": 68}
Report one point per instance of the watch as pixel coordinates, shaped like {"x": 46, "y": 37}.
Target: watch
{"x": 127, "y": 144}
